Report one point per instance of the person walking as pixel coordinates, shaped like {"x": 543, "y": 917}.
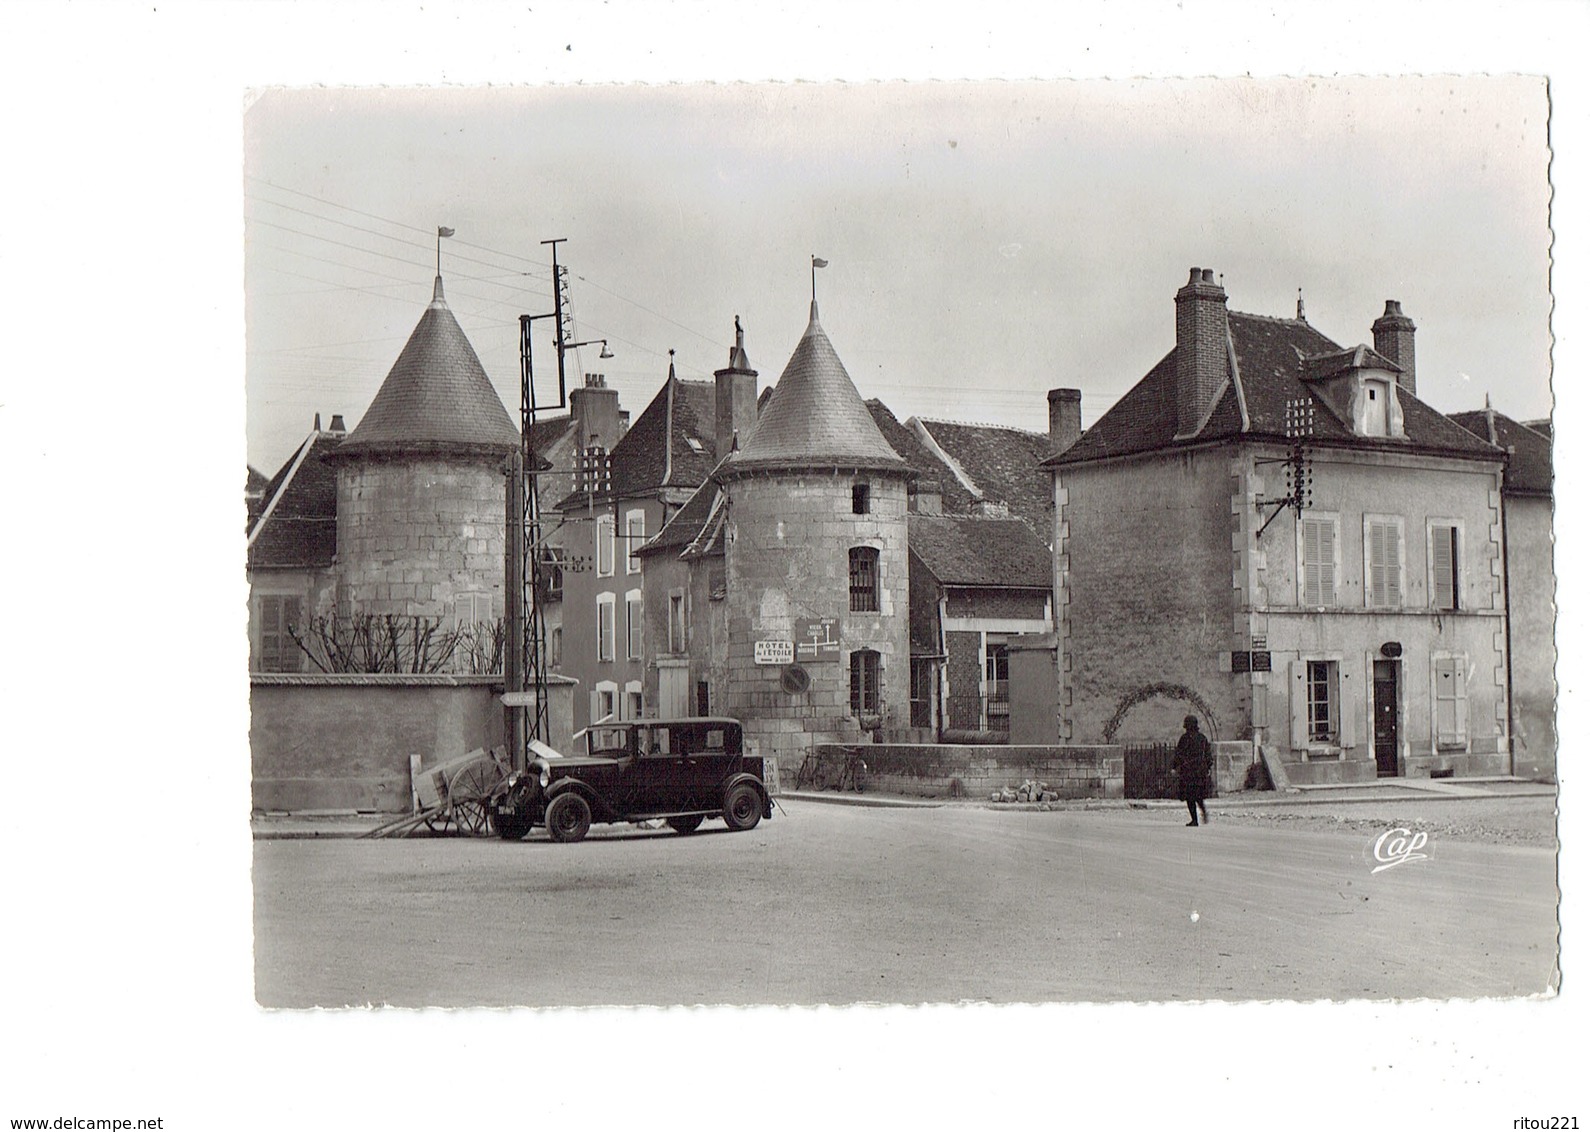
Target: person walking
{"x": 1194, "y": 765}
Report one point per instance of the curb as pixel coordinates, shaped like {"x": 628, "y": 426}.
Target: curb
{"x": 345, "y": 827}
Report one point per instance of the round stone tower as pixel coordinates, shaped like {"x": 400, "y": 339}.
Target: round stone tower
{"x": 420, "y": 485}
{"x": 816, "y": 564}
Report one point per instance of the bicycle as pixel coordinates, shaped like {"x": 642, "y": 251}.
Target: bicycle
{"x": 824, "y": 771}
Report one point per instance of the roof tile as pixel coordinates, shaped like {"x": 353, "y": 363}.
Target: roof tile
{"x": 967, "y": 550}
{"x": 816, "y": 418}
{"x": 436, "y": 397}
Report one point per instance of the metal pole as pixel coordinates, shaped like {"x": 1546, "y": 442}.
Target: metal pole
{"x": 513, "y": 660}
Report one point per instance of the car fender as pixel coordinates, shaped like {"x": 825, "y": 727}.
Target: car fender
{"x": 761, "y": 788}
{"x": 564, "y": 785}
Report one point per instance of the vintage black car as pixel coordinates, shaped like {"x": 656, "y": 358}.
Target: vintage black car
{"x": 681, "y": 771}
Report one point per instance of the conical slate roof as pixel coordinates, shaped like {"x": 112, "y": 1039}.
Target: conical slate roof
{"x": 436, "y": 399}
{"x": 815, "y": 418}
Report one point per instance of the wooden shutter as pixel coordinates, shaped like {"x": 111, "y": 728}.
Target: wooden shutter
{"x": 1299, "y": 704}
{"x": 270, "y": 632}
{"x": 633, "y": 618}
{"x": 1451, "y": 702}
{"x": 1393, "y": 552}
{"x": 1319, "y": 562}
{"x": 604, "y": 546}
{"x": 1385, "y": 565}
{"x": 1327, "y": 562}
{"x": 604, "y": 629}
{"x": 1347, "y": 707}
{"x": 1442, "y": 561}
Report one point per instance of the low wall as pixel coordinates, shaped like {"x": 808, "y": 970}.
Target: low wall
{"x": 942, "y": 770}
{"x": 1233, "y": 760}
{"x": 1362, "y": 768}
{"x": 946, "y": 771}
{"x": 342, "y": 742}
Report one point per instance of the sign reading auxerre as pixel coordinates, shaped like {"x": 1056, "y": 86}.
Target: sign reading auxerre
{"x": 775, "y": 652}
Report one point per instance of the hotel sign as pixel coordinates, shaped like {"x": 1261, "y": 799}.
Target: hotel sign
{"x": 775, "y": 652}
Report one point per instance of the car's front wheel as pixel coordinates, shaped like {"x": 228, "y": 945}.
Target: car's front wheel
{"x": 742, "y": 806}
{"x": 568, "y": 817}
{"x": 688, "y": 823}
{"x": 509, "y": 827}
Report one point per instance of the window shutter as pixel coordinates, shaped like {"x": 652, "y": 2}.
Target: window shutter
{"x": 1385, "y": 565}
{"x": 1318, "y": 567}
{"x": 1441, "y": 566}
{"x": 292, "y": 659}
{"x": 1327, "y": 563}
{"x": 1377, "y": 564}
{"x": 270, "y": 633}
{"x": 1451, "y": 702}
{"x": 1393, "y": 565}
{"x": 1347, "y": 709}
{"x": 1310, "y": 562}
{"x": 1299, "y": 704}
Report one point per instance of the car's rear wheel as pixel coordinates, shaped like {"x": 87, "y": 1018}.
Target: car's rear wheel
{"x": 742, "y": 806}
{"x": 568, "y": 817}
{"x": 688, "y": 823}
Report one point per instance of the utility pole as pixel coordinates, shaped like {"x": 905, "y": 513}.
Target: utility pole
{"x": 525, "y": 665}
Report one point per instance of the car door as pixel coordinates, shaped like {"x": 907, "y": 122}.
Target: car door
{"x": 713, "y": 755}
{"x": 659, "y": 770}
{"x": 615, "y": 779}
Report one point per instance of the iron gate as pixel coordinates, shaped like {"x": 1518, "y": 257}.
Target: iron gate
{"x": 1148, "y": 770}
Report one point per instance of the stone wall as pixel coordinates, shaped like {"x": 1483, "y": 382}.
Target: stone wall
{"x": 976, "y": 771}
{"x": 1531, "y": 597}
{"x": 943, "y": 771}
{"x": 1144, "y": 594}
{"x": 787, "y": 559}
{"x": 414, "y": 534}
{"x": 343, "y": 742}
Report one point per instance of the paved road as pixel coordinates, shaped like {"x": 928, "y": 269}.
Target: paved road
{"x": 831, "y": 904}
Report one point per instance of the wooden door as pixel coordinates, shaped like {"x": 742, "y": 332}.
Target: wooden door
{"x": 1387, "y": 740}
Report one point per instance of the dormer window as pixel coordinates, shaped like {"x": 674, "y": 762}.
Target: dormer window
{"x": 1360, "y": 389}
{"x": 1377, "y": 408}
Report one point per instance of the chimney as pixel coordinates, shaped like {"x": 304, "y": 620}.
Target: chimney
{"x": 1394, "y": 340}
{"x": 337, "y": 427}
{"x": 594, "y": 408}
{"x": 1200, "y": 348}
{"x": 317, "y": 422}
{"x": 1065, "y": 418}
{"x": 734, "y": 398}
{"x": 925, "y": 496}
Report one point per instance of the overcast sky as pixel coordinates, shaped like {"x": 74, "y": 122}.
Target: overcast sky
{"x": 986, "y": 242}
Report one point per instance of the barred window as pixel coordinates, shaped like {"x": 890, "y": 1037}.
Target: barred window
{"x": 863, "y": 579}
{"x": 865, "y": 696}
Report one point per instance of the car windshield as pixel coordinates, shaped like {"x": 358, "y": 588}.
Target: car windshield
{"x": 653, "y": 741}
{"x": 609, "y": 742}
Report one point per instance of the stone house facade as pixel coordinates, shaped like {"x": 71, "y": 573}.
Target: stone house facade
{"x": 1361, "y": 634}
{"x": 1527, "y": 544}
{"x": 653, "y": 471}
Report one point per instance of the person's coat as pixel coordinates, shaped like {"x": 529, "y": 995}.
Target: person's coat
{"x": 1194, "y": 764}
